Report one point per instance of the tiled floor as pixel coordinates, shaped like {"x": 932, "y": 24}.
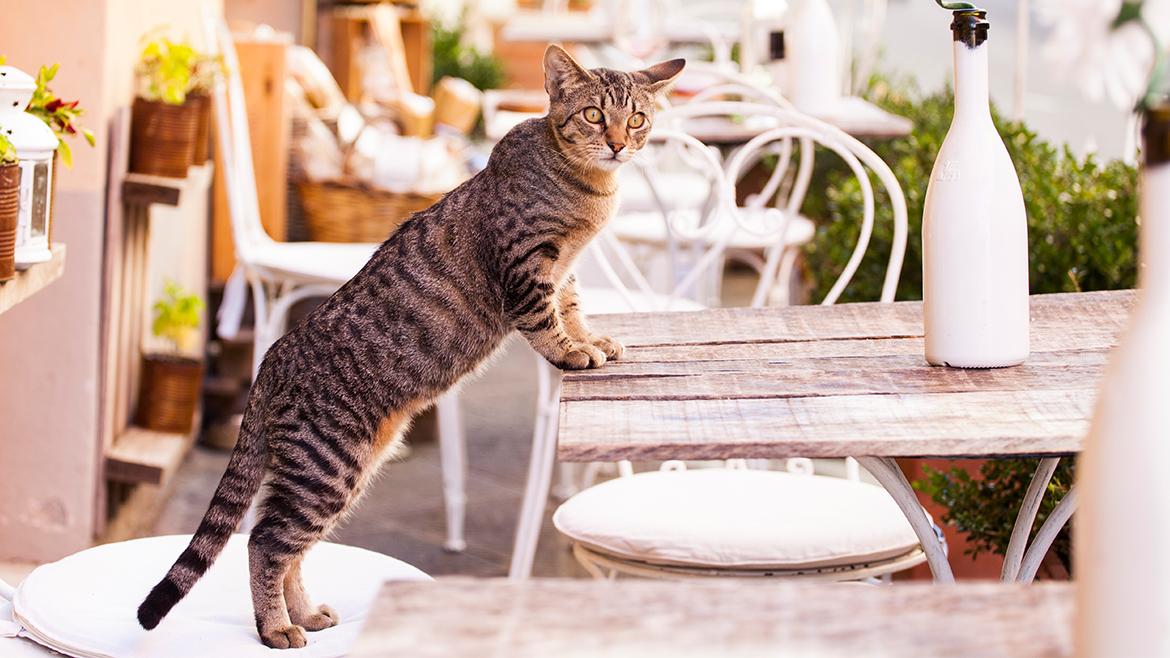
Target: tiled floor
{"x": 403, "y": 515}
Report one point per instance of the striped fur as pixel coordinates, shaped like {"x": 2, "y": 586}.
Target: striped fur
{"x": 335, "y": 394}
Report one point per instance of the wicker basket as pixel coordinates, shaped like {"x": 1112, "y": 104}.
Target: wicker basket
{"x": 342, "y": 213}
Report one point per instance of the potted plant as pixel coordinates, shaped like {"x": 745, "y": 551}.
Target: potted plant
{"x": 9, "y": 206}
{"x": 62, "y": 117}
{"x": 206, "y": 71}
{"x": 163, "y": 125}
{"x": 171, "y": 382}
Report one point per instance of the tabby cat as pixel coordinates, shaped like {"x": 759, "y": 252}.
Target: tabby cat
{"x": 334, "y": 395}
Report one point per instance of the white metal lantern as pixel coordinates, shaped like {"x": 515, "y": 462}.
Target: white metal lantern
{"x": 35, "y": 143}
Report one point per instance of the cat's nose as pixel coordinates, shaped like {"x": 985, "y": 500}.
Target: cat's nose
{"x": 616, "y": 147}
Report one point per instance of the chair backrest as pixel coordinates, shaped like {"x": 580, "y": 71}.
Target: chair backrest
{"x": 777, "y": 127}
{"x": 231, "y": 121}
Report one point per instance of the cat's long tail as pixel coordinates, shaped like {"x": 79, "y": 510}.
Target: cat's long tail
{"x": 233, "y": 496}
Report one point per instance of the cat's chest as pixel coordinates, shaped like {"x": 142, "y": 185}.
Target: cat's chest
{"x": 596, "y": 213}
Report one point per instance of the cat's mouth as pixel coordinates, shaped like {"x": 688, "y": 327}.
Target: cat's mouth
{"x": 611, "y": 161}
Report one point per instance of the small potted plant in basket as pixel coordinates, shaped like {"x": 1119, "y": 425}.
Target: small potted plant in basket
{"x": 171, "y": 382}
{"x": 9, "y": 206}
{"x": 164, "y": 121}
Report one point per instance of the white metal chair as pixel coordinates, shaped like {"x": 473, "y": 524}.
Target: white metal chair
{"x": 754, "y": 522}
{"x": 281, "y": 274}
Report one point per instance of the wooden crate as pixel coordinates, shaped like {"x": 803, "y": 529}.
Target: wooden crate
{"x": 262, "y": 72}
{"x": 349, "y": 29}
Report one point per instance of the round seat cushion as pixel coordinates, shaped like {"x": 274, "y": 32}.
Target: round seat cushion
{"x": 87, "y": 604}
{"x": 748, "y": 519}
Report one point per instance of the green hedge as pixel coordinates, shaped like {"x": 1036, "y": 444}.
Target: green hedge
{"x": 1082, "y": 227}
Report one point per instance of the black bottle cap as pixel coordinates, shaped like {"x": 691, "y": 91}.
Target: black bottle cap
{"x": 1156, "y": 135}
{"x": 970, "y": 26}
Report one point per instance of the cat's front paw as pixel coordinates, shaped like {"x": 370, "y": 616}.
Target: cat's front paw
{"x": 581, "y": 357}
{"x": 613, "y": 350}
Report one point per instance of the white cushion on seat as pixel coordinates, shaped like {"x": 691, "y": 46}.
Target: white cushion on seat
{"x": 87, "y": 604}
{"x": 599, "y": 301}
{"x": 324, "y": 262}
{"x": 649, "y": 228}
{"x": 750, "y": 519}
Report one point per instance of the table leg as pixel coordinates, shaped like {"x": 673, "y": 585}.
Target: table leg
{"x": 886, "y": 471}
{"x": 1023, "y": 528}
{"x": 1052, "y": 525}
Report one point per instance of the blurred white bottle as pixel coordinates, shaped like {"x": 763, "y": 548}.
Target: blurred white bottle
{"x": 974, "y": 227}
{"x": 1122, "y": 529}
{"x": 814, "y": 67}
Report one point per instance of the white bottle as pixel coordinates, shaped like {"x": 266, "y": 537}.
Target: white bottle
{"x": 974, "y": 228}
{"x": 814, "y": 67}
{"x": 1122, "y": 529}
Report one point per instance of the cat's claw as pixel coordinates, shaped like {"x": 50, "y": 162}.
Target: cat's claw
{"x": 289, "y": 637}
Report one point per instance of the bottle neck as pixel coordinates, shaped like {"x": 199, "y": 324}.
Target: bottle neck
{"x": 971, "y": 96}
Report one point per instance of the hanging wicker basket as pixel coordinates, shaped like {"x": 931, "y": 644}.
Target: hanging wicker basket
{"x": 343, "y": 213}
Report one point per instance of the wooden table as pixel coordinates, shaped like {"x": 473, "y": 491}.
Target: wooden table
{"x": 836, "y": 381}
{"x": 458, "y": 617}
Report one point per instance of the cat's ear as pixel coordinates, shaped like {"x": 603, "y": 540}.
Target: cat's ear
{"x": 560, "y": 69}
{"x": 661, "y": 76}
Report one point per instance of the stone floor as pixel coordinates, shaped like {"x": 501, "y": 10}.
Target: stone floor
{"x": 403, "y": 515}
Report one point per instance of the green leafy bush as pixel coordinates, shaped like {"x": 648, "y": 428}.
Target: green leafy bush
{"x": 454, "y": 59}
{"x": 176, "y": 315}
{"x": 1082, "y": 227}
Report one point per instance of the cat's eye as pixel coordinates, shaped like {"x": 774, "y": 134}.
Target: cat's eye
{"x": 637, "y": 120}
{"x": 592, "y": 115}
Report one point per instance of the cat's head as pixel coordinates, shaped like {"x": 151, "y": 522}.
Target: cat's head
{"x": 600, "y": 117}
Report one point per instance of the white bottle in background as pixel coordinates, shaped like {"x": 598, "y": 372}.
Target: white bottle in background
{"x": 814, "y": 67}
{"x": 974, "y": 227}
{"x": 1122, "y": 529}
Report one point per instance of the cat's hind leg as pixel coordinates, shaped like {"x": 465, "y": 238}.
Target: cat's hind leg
{"x": 301, "y": 610}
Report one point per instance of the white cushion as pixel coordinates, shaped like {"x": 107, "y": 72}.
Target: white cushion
{"x": 749, "y": 519}
{"x": 322, "y": 262}
{"x": 649, "y": 228}
{"x": 599, "y": 301}
{"x": 86, "y": 604}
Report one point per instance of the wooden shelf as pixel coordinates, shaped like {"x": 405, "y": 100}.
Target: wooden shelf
{"x": 31, "y": 280}
{"x": 142, "y": 456}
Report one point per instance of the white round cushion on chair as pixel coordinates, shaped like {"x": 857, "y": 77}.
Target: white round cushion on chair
{"x": 86, "y": 604}
{"x": 748, "y": 519}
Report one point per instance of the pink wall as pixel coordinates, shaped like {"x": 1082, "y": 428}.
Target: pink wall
{"x": 50, "y": 351}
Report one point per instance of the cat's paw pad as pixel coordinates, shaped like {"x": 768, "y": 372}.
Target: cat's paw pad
{"x": 289, "y": 637}
{"x": 581, "y": 357}
{"x": 325, "y": 617}
{"x": 613, "y": 350}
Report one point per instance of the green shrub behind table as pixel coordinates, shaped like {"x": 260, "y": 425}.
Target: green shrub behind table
{"x": 1082, "y": 234}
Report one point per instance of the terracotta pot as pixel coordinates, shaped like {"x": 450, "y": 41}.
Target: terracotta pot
{"x": 168, "y": 393}
{"x": 202, "y": 103}
{"x": 9, "y": 209}
{"x": 162, "y": 138}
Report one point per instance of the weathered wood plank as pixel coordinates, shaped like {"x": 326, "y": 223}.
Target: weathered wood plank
{"x": 793, "y": 376}
{"x": 977, "y": 424}
{"x": 144, "y": 456}
{"x": 561, "y": 617}
{"x": 31, "y": 280}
